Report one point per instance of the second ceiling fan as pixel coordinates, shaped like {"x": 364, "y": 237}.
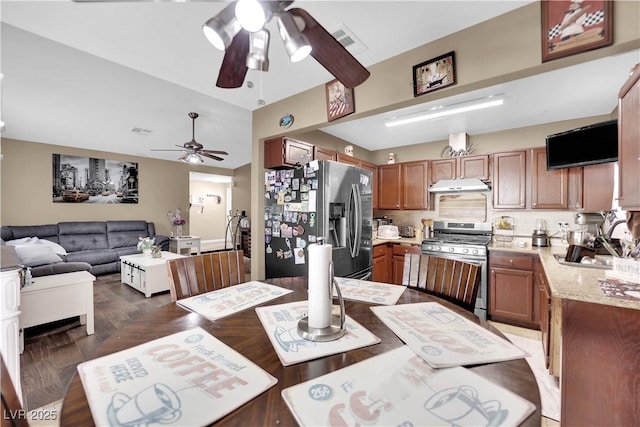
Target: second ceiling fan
{"x": 193, "y": 150}
{"x": 239, "y": 31}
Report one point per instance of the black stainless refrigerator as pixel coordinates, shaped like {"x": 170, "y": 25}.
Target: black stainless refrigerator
{"x": 320, "y": 199}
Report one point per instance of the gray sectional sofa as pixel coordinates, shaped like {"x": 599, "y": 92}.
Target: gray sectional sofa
{"x": 95, "y": 246}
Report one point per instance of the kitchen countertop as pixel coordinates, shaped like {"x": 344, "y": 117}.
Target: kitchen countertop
{"x": 402, "y": 240}
{"x": 565, "y": 281}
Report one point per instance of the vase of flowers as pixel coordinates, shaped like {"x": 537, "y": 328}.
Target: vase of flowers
{"x": 176, "y": 221}
{"x": 146, "y": 244}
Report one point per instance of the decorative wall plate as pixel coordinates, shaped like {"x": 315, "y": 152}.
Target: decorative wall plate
{"x": 286, "y": 121}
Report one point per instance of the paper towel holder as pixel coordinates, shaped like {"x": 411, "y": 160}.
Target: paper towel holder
{"x": 336, "y": 329}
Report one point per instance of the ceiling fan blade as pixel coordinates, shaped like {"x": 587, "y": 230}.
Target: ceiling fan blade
{"x": 160, "y": 149}
{"x": 330, "y": 53}
{"x": 234, "y": 64}
{"x": 214, "y": 152}
{"x": 211, "y": 156}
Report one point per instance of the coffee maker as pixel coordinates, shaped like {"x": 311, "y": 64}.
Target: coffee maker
{"x": 539, "y": 237}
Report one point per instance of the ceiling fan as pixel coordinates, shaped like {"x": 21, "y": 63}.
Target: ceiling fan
{"x": 239, "y": 30}
{"x": 193, "y": 150}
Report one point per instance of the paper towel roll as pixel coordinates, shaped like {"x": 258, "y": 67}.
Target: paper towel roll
{"x": 319, "y": 282}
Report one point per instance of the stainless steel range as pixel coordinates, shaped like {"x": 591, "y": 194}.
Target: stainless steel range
{"x": 465, "y": 241}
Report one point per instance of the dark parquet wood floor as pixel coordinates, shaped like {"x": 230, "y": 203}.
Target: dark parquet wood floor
{"x": 52, "y": 351}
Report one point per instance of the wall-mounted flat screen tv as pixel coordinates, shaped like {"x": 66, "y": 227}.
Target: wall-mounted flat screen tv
{"x": 588, "y": 145}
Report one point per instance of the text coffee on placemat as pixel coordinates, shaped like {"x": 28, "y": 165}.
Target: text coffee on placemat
{"x": 186, "y": 379}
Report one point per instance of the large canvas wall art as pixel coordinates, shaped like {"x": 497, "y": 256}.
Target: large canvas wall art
{"x": 90, "y": 180}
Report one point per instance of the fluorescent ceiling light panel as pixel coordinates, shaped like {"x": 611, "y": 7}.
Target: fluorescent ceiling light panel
{"x": 438, "y": 112}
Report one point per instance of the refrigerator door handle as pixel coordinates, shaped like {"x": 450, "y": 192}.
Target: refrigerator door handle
{"x": 356, "y": 220}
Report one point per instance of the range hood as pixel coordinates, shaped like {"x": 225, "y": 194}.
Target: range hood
{"x": 458, "y": 185}
{"x": 459, "y": 146}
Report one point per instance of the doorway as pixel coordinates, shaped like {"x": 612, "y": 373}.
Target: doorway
{"x": 210, "y": 201}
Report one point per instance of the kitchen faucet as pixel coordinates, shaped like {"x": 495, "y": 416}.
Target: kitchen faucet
{"x": 606, "y": 239}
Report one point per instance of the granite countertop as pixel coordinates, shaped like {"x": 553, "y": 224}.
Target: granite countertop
{"x": 565, "y": 281}
{"x": 401, "y": 240}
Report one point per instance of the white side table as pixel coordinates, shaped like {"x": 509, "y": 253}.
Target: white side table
{"x": 145, "y": 273}
{"x": 184, "y": 243}
{"x": 57, "y": 297}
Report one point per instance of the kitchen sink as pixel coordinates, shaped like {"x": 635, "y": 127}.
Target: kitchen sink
{"x": 601, "y": 262}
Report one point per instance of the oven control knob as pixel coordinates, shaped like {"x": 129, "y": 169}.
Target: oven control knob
{"x": 465, "y": 251}
{"x": 438, "y": 248}
{"x": 475, "y": 252}
{"x": 429, "y": 248}
{"x": 451, "y": 249}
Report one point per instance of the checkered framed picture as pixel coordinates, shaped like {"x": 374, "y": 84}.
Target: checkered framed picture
{"x": 575, "y": 26}
{"x": 340, "y": 100}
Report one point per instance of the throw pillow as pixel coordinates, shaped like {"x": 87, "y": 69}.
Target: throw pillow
{"x": 53, "y": 245}
{"x": 35, "y": 255}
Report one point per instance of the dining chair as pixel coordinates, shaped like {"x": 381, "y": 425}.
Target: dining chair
{"x": 12, "y": 411}
{"x": 453, "y": 280}
{"x": 198, "y": 274}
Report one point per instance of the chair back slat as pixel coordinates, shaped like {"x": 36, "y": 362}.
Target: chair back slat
{"x": 454, "y": 280}
{"x": 199, "y": 274}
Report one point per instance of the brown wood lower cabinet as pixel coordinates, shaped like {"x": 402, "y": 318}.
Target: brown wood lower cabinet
{"x": 512, "y": 296}
{"x": 381, "y": 264}
{"x": 399, "y": 252}
{"x": 600, "y": 369}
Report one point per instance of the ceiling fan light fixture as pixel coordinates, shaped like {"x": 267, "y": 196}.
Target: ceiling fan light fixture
{"x": 192, "y": 158}
{"x": 250, "y": 14}
{"x": 258, "y": 57}
{"x": 222, "y": 28}
{"x": 295, "y": 43}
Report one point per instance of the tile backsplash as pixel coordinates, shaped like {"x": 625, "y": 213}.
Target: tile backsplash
{"x": 524, "y": 219}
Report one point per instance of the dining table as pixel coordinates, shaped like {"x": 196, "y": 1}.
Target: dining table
{"x": 244, "y": 332}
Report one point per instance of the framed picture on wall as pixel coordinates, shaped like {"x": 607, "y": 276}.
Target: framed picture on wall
{"x": 434, "y": 74}
{"x": 340, "y": 100}
{"x": 574, "y": 26}
{"x": 84, "y": 180}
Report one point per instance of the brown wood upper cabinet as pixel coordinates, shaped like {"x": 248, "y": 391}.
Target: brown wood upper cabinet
{"x": 549, "y": 189}
{"x": 509, "y": 180}
{"x": 321, "y": 153}
{"x": 415, "y": 180}
{"x": 403, "y": 185}
{"x": 389, "y": 186}
{"x": 283, "y": 152}
{"x": 591, "y": 187}
{"x": 460, "y": 167}
{"x": 629, "y": 142}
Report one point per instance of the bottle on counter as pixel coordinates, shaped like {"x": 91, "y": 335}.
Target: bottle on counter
{"x": 28, "y": 278}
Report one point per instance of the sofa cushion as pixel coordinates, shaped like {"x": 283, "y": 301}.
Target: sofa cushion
{"x": 33, "y": 255}
{"x": 49, "y": 232}
{"x": 121, "y": 234}
{"x": 93, "y": 257}
{"x": 83, "y": 235}
{"x": 59, "y": 268}
{"x": 34, "y": 240}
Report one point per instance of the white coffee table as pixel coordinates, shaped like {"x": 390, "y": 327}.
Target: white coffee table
{"x": 145, "y": 273}
{"x": 57, "y": 297}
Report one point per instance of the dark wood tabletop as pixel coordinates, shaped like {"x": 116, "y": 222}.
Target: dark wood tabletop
{"x": 245, "y": 334}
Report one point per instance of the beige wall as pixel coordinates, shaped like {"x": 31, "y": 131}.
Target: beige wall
{"x": 208, "y": 221}
{"x": 26, "y": 183}
{"x": 241, "y": 190}
{"x": 500, "y": 50}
